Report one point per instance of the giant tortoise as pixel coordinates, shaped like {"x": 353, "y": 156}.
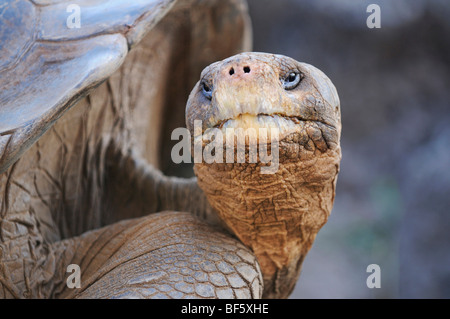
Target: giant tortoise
{"x": 86, "y": 146}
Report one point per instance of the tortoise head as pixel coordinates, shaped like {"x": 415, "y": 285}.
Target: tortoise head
{"x": 264, "y": 90}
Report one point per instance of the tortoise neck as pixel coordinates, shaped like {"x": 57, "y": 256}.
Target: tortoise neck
{"x": 276, "y": 215}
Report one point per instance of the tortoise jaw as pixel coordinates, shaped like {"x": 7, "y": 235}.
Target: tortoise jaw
{"x": 295, "y": 133}
{"x": 274, "y": 126}
{"x": 262, "y": 120}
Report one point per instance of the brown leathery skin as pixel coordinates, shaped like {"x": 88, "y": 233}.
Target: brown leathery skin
{"x": 277, "y": 215}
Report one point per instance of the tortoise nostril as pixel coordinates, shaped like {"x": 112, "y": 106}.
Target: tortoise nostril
{"x": 246, "y": 69}
{"x": 231, "y": 71}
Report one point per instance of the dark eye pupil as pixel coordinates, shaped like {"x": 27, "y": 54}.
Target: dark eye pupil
{"x": 291, "y": 80}
{"x": 291, "y": 77}
{"x": 206, "y": 87}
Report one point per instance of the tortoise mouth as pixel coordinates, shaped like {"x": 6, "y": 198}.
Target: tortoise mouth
{"x": 259, "y": 128}
{"x": 295, "y": 133}
{"x": 260, "y": 120}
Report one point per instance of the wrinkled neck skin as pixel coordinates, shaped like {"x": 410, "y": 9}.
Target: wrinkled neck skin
{"x": 276, "y": 215}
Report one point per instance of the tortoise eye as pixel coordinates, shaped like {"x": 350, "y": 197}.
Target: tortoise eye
{"x": 207, "y": 90}
{"x": 291, "y": 80}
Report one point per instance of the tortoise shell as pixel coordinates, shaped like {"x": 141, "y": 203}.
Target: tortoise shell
{"x": 46, "y": 66}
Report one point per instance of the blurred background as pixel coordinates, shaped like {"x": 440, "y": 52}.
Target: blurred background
{"x": 393, "y": 196}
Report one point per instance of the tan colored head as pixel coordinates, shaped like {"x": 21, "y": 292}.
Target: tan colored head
{"x": 276, "y": 214}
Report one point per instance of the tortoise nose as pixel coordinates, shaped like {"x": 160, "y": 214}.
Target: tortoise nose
{"x": 241, "y": 70}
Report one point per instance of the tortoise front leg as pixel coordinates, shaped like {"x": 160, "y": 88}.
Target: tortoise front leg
{"x": 164, "y": 255}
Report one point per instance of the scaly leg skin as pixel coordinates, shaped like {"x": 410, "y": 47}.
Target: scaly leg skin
{"x": 164, "y": 255}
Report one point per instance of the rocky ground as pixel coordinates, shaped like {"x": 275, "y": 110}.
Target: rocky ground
{"x": 393, "y": 196}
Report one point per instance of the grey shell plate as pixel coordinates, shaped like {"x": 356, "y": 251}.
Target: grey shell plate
{"x": 46, "y": 64}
